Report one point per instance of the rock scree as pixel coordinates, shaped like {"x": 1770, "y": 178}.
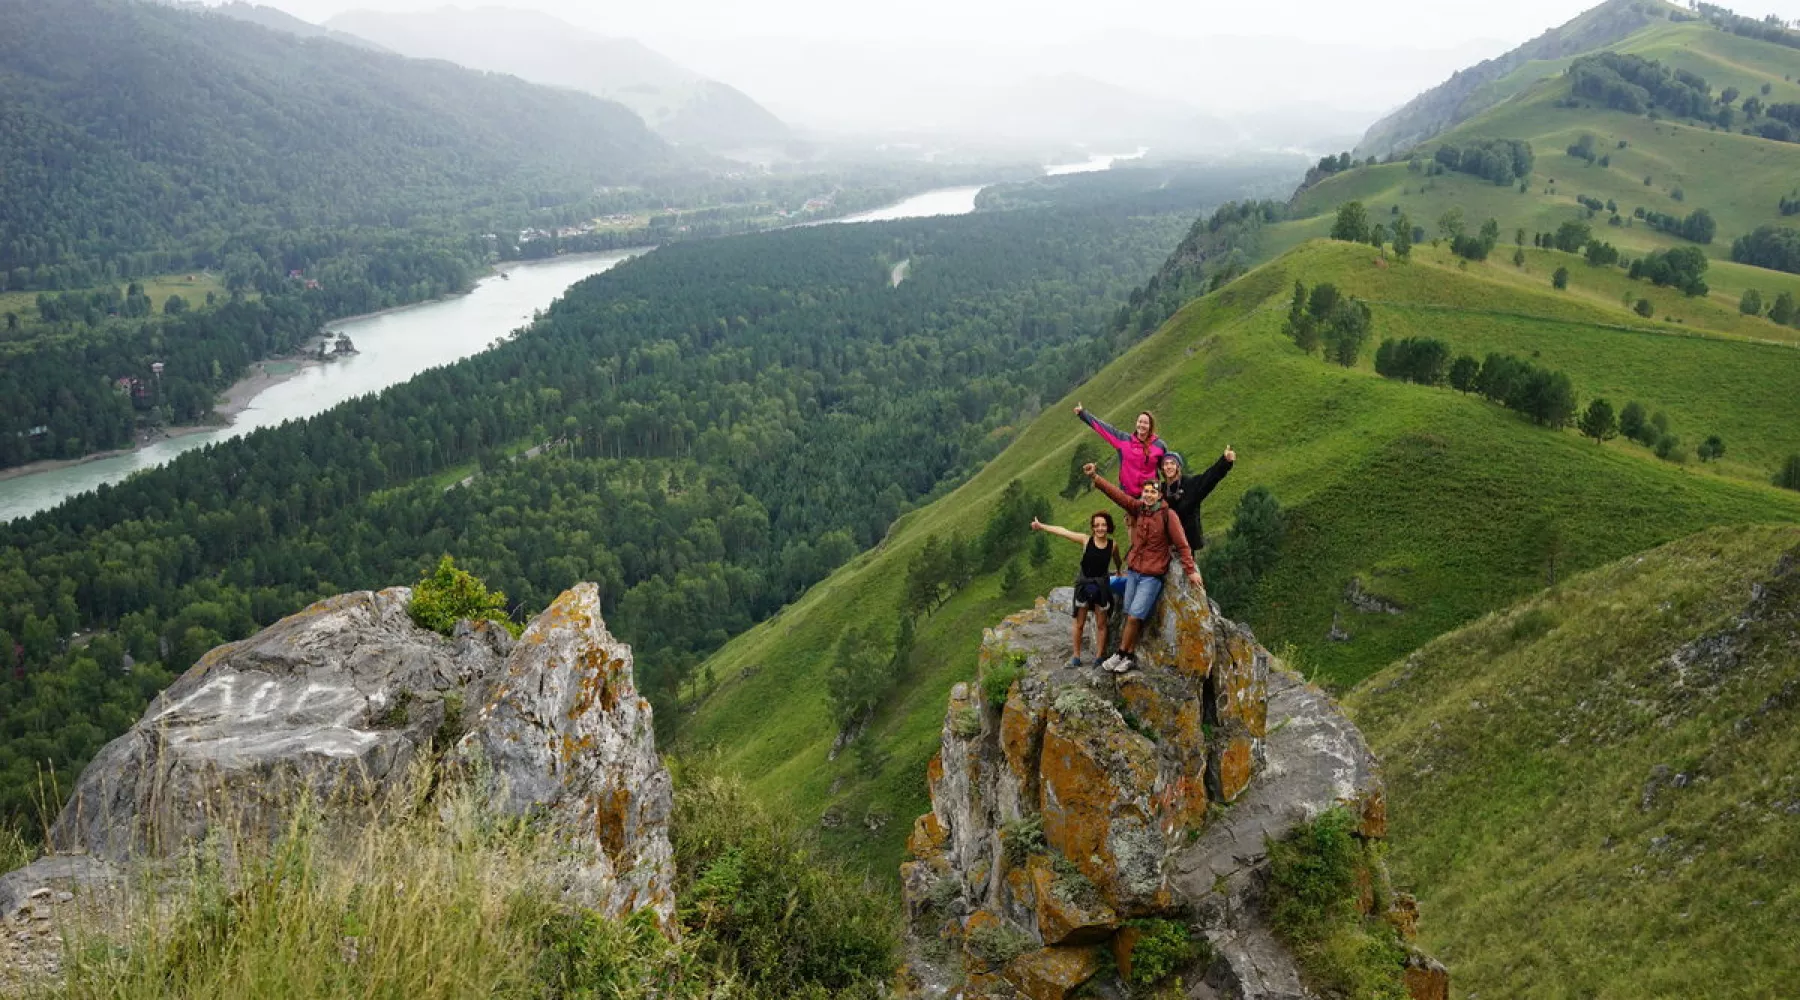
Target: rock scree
{"x": 337, "y": 701}
{"x": 1075, "y": 801}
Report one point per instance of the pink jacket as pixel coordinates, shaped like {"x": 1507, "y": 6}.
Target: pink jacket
{"x": 1138, "y": 461}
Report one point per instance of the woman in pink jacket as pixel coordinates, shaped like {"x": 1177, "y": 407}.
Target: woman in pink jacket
{"x": 1140, "y": 454}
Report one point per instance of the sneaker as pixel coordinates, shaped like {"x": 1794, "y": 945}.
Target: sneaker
{"x": 1075, "y": 661}
{"x": 1121, "y": 662}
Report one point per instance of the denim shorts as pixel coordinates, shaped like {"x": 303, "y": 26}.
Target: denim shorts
{"x": 1141, "y": 593}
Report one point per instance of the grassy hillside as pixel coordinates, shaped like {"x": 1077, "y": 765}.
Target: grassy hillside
{"x": 1479, "y": 87}
{"x": 1739, "y": 179}
{"x": 1447, "y": 505}
{"x": 1596, "y": 792}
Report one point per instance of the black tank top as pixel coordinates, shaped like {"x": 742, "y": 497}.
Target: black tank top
{"x": 1094, "y": 559}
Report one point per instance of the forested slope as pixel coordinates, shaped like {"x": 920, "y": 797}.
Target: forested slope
{"x": 129, "y": 128}
{"x": 1432, "y": 504}
{"x": 727, "y": 422}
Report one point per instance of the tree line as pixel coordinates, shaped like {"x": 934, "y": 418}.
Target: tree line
{"x": 726, "y": 422}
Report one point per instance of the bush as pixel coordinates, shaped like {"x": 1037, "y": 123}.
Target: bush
{"x": 1313, "y": 876}
{"x": 1711, "y": 449}
{"x": 1789, "y": 476}
{"x": 1644, "y": 308}
{"x": 1163, "y": 946}
{"x": 761, "y": 900}
{"x": 1560, "y": 280}
{"x": 1000, "y": 943}
{"x": 450, "y": 595}
{"x": 1022, "y": 838}
{"x": 997, "y": 680}
{"x": 1751, "y": 304}
{"x": 1634, "y": 422}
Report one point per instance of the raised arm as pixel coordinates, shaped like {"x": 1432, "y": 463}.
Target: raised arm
{"x": 1206, "y": 481}
{"x": 1059, "y": 531}
{"x": 1106, "y": 431}
{"x": 1118, "y": 496}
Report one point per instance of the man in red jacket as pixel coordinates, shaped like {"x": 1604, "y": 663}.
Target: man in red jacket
{"x": 1155, "y": 533}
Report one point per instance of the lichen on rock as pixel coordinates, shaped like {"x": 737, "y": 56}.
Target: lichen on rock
{"x": 1120, "y": 780}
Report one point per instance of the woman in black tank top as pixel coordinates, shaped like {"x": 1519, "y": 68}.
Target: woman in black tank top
{"x": 1093, "y": 585}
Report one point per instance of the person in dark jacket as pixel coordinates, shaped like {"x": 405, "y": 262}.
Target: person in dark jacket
{"x": 1184, "y": 494}
{"x": 1093, "y": 583}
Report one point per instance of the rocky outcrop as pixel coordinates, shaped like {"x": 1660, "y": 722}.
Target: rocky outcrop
{"x": 566, "y": 735}
{"x": 1067, "y": 802}
{"x": 338, "y": 701}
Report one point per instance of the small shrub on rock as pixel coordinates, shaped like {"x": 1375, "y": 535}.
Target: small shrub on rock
{"x": 1000, "y": 943}
{"x": 997, "y": 682}
{"x": 1163, "y": 947}
{"x": 450, "y": 595}
{"x": 1022, "y": 838}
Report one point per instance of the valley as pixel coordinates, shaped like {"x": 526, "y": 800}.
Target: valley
{"x": 748, "y": 426}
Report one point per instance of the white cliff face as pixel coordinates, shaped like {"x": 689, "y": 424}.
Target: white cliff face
{"x": 339, "y": 700}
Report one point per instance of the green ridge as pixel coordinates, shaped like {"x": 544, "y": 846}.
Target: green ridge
{"x": 1446, "y": 504}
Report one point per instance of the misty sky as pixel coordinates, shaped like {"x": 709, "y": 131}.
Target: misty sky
{"x": 1387, "y": 23}
{"x": 1330, "y": 67}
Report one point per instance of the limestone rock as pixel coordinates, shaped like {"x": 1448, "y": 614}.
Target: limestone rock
{"x": 565, "y": 734}
{"x": 1426, "y": 979}
{"x": 1053, "y": 973}
{"x": 341, "y": 698}
{"x": 338, "y": 698}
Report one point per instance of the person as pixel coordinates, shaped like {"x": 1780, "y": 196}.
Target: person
{"x": 1139, "y": 453}
{"x": 1183, "y": 494}
{"x": 1093, "y": 583}
{"x": 1155, "y": 534}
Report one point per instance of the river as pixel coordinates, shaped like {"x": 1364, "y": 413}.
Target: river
{"x": 392, "y": 347}
{"x": 398, "y": 344}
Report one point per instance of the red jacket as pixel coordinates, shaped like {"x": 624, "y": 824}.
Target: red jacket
{"x": 1153, "y": 534}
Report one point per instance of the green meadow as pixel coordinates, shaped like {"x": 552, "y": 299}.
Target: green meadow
{"x": 1446, "y": 505}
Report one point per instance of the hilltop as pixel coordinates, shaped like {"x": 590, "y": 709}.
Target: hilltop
{"x": 1614, "y": 760}
{"x": 1472, "y": 90}
{"x": 1439, "y": 505}
{"x": 679, "y": 104}
{"x": 134, "y": 127}
{"x": 1627, "y": 164}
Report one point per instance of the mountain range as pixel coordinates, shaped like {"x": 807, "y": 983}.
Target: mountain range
{"x": 679, "y": 104}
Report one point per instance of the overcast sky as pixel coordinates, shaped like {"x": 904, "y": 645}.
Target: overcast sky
{"x": 1427, "y": 24}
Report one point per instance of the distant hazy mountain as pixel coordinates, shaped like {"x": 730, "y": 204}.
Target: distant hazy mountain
{"x": 132, "y": 127}
{"x": 678, "y": 103}
{"x": 1471, "y": 91}
{"x": 281, "y": 20}
{"x": 1074, "y": 107}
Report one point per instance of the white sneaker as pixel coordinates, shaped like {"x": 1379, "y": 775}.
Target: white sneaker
{"x": 1119, "y": 663}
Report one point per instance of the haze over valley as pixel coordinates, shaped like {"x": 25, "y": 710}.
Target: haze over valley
{"x": 542, "y": 500}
